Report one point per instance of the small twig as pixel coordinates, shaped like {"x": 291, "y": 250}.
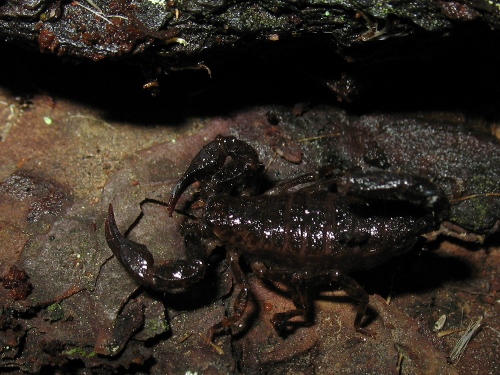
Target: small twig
{"x": 5, "y": 131}
{"x": 449, "y": 332}
{"x": 216, "y": 347}
{"x": 117, "y": 16}
{"x": 332, "y": 135}
{"x": 203, "y": 66}
{"x": 472, "y": 292}
{"x": 458, "y": 200}
{"x": 497, "y": 331}
{"x": 459, "y": 348}
{"x": 182, "y": 339}
{"x": 9, "y": 124}
{"x": 399, "y": 366}
{"x": 275, "y": 156}
{"x": 391, "y": 289}
{"x": 96, "y": 13}
{"x": 95, "y": 6}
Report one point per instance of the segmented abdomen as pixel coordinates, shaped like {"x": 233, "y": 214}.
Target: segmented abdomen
{"x": 312, "y": 227}
{"x": 288, "y": 224}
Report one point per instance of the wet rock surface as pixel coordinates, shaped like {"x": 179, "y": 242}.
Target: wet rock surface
{"x": 76, "y": 138}
{"x": 93, "y": 315}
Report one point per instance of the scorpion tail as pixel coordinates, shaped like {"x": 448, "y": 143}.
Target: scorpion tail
{"x": 139, "y": 262}
{"x": 134, "y": 257}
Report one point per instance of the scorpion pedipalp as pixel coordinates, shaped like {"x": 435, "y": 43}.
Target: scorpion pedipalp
{"x": 210, "y": 164}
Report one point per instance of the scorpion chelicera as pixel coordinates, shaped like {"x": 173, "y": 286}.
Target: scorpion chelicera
{"x": 313, "y": 229}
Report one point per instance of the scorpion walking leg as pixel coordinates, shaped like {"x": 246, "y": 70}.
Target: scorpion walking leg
{"x": 300, "y": 296}
{"x": 318, "y": 180}
{"x": 210, "y": 164}
{"x": 357, "y": 293}
{"x": 240, "y": 302}
{"x": 299, "y": 283}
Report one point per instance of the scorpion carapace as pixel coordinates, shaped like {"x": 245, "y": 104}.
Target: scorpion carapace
{"x": 313, "y": 229}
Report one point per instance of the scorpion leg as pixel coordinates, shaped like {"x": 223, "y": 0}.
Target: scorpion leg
{"x": 300, "y": 296}
{"x": 290, "y": 184}
{"x": 357, "y": 293}
{"x": 210, "y": 164}
{"x": 139, "y": 262}
{"x": 322, "y": 179}
{"x": 299, "y": 283}
{"x": 240, "y": 303}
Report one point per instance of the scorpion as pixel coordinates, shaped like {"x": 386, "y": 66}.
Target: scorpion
{"x": 311, "y": 230}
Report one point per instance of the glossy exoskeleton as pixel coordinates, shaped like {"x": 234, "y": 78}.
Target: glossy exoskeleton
{"x": 313, "y": 229}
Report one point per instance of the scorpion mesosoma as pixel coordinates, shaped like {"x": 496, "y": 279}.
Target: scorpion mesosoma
{"x": 313, "y": 229}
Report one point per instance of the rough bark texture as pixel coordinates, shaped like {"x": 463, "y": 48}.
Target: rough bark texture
{"x": 186, "y": 32}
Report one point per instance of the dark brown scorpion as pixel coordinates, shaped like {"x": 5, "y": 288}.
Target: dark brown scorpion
{"x": 313, "y": 229}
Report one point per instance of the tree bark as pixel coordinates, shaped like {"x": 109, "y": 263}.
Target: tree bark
{"x": 181, "y": 33}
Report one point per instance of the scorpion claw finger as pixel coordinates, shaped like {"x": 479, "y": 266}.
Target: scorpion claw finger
{"x": 134, "y": 257}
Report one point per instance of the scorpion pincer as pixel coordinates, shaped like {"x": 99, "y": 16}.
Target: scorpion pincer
{"x": 313, "y": 229}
